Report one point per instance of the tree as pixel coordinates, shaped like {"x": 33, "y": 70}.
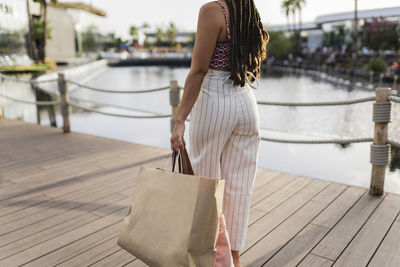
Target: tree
{"x": 279, "y": 45}
{"x": 291, "y": 7}
{"x": 45, "y": 33}
{"x": 159, "y": 35}
{"x": 381, "y": 34}
{"x": 134, "y": 32}
{"x": 171, "y": 34}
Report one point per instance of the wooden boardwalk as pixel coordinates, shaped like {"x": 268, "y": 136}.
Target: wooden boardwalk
{"x": 63, "y": 196}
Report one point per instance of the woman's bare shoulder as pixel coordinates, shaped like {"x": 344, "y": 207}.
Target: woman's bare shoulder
{"x": 210, "y": 8}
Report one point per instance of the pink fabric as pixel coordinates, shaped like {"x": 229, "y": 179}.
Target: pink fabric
{"x": 224, "y": 254}
{"x": 221, "y": 58}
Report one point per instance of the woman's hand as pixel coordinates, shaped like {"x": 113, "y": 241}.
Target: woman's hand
{"x": 177, "y": 140}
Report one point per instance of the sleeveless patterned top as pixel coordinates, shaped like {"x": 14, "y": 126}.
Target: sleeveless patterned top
{"x": 221, "y": 58}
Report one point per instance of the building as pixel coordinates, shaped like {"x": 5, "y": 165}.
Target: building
{"x": 13, "y": 33}
{"x": 331, "y": 22}
{"x": 77, "y": 29}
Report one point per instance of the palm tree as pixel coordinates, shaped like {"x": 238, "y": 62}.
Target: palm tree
{"x": 287, "y": 7}
{"x": 298, "y": 5}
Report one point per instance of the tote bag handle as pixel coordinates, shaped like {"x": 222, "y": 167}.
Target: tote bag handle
{"x": 184, "y": 165}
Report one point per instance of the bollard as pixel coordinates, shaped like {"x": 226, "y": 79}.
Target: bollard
{"x": 174, "y": 99}
{"x": 380, "y": 150}
{"x": 64, "y": 106}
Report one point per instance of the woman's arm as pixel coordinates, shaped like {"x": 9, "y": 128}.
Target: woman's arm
{"x": 208, "y": 28}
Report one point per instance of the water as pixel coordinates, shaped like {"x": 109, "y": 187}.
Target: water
{"x": 349, "y": 164}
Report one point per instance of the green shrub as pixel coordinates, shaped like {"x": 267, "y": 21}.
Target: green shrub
{"x": 279, "y": 45}
{"x": 377, "y": 65}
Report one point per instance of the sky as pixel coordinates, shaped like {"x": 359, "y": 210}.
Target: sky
{"x": 123, "y": 13}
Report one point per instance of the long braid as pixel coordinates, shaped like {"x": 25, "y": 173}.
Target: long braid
{"x": 249, "y": 40}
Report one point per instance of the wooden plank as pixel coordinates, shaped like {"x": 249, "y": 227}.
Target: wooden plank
{"x": 53, "y": 251}
{"x": 136, "y": 263}
{"x": 337, "y": 239}
{"x": 337, "y": 209}
{"x": 33, "y": 234}
{"x": 61, "y": 207}
{"x": 13, "y": 245}
{"x": 270, "y": 244}
{"x": 264, "y": 177}
{"x": 270, "y": 202}
{"x": 367, "y": 240}
{"x": 274, "y": 218}
{"x": 298, "y": 247}
{"x": 315, "y": 261}
{"x": 119, "y": 258}
{"x": 388, "y": 253}
{"x": 267, "y": 189}
{"x": 92, "y": 255}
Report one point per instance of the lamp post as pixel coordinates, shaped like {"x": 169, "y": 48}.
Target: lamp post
{"x": 356, "y": 30}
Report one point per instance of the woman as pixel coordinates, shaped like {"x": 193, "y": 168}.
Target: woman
{"x": 224, "y": 132}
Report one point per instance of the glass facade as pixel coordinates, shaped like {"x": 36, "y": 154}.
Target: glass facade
{"x": 13, "y": 32}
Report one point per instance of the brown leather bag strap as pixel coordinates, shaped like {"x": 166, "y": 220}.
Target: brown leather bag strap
{"x": 184, "y": 164}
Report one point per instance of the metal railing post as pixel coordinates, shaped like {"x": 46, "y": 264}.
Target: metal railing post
{"x": 380, "y": 149}
{"x": 174, "y": 99}
{"x": 64, "y": 98}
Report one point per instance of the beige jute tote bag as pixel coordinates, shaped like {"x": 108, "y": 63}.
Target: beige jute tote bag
{"x": 174, "y": 217}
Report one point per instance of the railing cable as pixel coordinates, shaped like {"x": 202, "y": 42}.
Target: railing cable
{"x": 328, "y": 141}
{"x": 118, "y": 91}
{"x": 38, "y": 103}
{"x": 395, "y": 99}
{"x": 118, "y": 115}
{"x": 309, "y": 104}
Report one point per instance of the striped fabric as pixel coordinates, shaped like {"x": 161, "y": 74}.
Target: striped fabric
{"x": 224, "y": 141}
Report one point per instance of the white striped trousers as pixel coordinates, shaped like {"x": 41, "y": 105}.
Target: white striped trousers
{"x": 224, "y": 140}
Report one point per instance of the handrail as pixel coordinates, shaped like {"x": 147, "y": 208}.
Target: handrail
{"x": 23, "y": 80}
{"x": 117, "y": 91}
{"x": 394, "y": 99}
{"x": 38, "y": 103}
{"x": 380, "y": 148}
{"x": 327, "y": 141}
{"x": 315, "y": 104}
{"x": 118, "y": 115}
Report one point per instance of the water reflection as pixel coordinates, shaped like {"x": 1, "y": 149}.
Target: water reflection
{"x": 395, "y": 159}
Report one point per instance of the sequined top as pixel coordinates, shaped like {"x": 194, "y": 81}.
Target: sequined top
{"x": 221, "y": 58}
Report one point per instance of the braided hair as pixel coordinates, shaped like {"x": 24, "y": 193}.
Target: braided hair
{"x": 249, "y": 40}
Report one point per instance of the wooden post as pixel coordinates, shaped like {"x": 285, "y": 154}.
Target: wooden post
{"x": 380, "y": 138}
{"x": 174, "y": 99}
{"x": 64, "y": 98}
